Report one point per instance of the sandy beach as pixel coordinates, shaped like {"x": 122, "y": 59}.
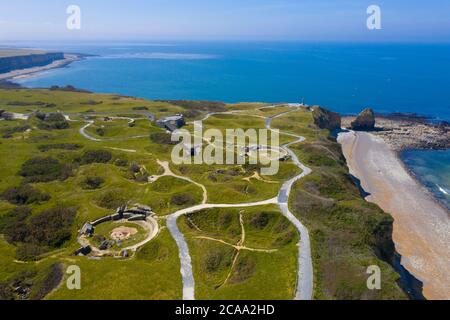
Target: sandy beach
{"x": 421, "y": 226}
{"x": 23, "y": 73}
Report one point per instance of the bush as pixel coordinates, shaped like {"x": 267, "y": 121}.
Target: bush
{"x": 140, "y": 108}
{"x": 121, "y": 162}
{"x": 49, "y": 229}
{"x": 96, "y": 156}
{"x": 111, "y": 199}
{"x": 44, "y": 170}
{"x": 6, "y": 292}
{"x": 8, "y": 133}
{"x": 51, "y": 281}
{"x": 13, "y": 217}
{"x": 52, "y": 227}
{"x": 29, "y": 252}
{"x": 60, "y": 146}
{"x": 24, "y": 194}
{"x": 52, "y": 121}
{"x": 260, "y": 220}
{"x": 92, "y": 183}
{"x": 135, "y": 168}
{"x": 182, "y": 199}
{"x": 213, "y": 260}
{"x": 162, "y": 138}
{"x": 100, "y": 131}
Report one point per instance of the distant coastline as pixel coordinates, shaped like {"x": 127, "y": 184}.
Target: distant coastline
{"x": 21, "y": 73}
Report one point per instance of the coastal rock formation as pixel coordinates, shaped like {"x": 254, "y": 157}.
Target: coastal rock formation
{"x": 405, "y": 131}
{"x": 326, "y": 119}
{"x": 364, "y": 121}
{"x": 10, "y": 63}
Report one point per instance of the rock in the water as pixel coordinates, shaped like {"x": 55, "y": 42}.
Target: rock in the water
{"x": 364, "y": 121}
{"x": 326, "y": 119}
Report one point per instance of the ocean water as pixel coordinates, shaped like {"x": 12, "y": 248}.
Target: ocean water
{"x": 343, "y": 77}
{"x": 432, "y": 169}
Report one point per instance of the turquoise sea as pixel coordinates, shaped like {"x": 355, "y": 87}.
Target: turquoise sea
{"x": 412, "y": 78}
{"x": 432, "y": 169}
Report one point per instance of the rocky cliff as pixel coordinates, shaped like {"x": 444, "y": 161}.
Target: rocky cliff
{"x": 325, "y": 119}
{"x": 364, "y": 121}
{"x": 8, "y": 64}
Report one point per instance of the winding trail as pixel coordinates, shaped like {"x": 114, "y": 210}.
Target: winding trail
{"x": 304, "y": 288}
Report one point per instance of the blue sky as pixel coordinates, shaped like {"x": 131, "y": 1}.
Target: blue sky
{"x": 338, "y": 20}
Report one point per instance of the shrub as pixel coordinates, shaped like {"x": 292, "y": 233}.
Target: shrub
{"x": 14, "y": 216}
{"x": 51, "y": 281}
{"x": 49, "y": 229}
{"x": 60, "y": 146}
{"x": 213, "y": 260}
{"x": 100, "y": 131}
{"x": 135, "y": 168}
{"x": 24, "y": 194}
{"x": 111, "y": 199}
{"x": 162, "y": 138}
{"x": 52, "y": 227}
{"x": 92, "y": 183}
{"x": 121, "y": 162}
{"x": 8, "y": 133}
{"x": 260, "y": 220}
{"x": 244, "y": 270}
{"x": 96, "y": 156}
{"x": 44, "y": 170}
{"x": 6, "y": 292}
{"x": 29, "y": 252}
{"x": 140, "y": 108}
{"x": 182, "y": 199}
{"x": 52, "y": 121}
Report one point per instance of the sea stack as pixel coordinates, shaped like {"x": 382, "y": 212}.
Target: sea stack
{"x": 326, "y": 119}
{"x": 365, "y": 121}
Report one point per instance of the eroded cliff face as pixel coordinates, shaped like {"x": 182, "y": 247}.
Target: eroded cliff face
{"x": 8, "y": 64}
{"x": 326, "y": 119}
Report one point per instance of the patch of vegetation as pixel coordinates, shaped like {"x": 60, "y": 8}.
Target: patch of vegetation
{"x": 31, "y": 284}
{"x": 60, "y": 146}
{"x": 92, "y": 183}
{"x": 44, "y": 170}
{"x": 51, "y": 121}
{"x": 154, "y": 251}
{"x": 96, "y": 156}
{"x": 143, "y": 108}
{"x": 51, "y": 280}
{"x": 260, "y": 220}
{"x": 245, "y": 268}
{"x": 121, "y": 162}
{"x": 214, "y": 259}
{"x": 210, "y": 106}
{"x": 24, "y": 194}
{"x": 181, "y": 199}
{"x": 162, "y": 138}
{"x": 111, "y": 199}
{"x": 9, "y": 132}
{"x": 48, "y": 230}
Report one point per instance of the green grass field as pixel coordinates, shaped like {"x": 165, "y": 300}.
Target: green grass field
{"x": 48, "y": 165}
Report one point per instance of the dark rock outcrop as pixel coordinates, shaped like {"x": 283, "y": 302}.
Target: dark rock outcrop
{"x": 326, "y": 119}
{"x": 8, "y": 64}
{"x": 364, "y": 121}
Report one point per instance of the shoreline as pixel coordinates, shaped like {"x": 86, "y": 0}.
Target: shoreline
{"x": 421, "y": 222}
{"x": 414, "y": 176}
{"x": 30, "y": 72}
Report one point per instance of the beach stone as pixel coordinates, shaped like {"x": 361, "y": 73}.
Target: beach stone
{"x": 326, "y": 119}
{"x": 364, "y": 121}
